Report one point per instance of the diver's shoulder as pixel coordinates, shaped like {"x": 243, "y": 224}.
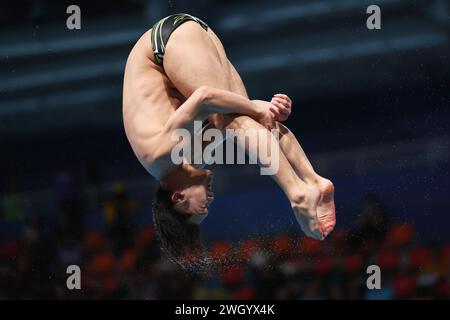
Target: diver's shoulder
{"x": 157, "y": 165}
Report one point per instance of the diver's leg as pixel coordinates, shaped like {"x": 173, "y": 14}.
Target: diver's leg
{"x": 299, "y": 161}
{"x": 192, "y": 60}
{"x": 303, "y": 198}
{"x": 297, "y": 158}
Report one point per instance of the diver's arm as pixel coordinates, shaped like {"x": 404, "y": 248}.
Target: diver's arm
{"x": 206, "y": 101}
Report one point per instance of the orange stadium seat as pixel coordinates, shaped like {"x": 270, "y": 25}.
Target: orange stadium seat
{"x": 128, "y": 260}
{"x": 233, "y": 275}
{"x": 404, "y": 286}
{"x": 353, "y": 263}
{"x": 245, "y": 293}
{"x": 310, "y": 246}
{"x": 281, "y": 244}
{"x": 338, "y": 238}
{"x": 221, "y": 250}
{"x": 94, "y": 240}
{"x": 247, "y": 247}
{"x": 400, "y": 235}
{"x": 388, "y": 260}
{"x": 444, "y": 256}
{"x": 103, "y": 263}
{"x": 144, "y": 236}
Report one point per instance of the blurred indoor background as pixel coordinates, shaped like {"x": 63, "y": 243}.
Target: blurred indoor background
{"x": 371, "y": 108}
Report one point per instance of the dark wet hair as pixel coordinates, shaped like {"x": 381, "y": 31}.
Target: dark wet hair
{"x": 180, "y": 241}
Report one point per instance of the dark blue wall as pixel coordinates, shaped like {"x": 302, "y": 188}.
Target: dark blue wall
{"x": 420, "y": 197}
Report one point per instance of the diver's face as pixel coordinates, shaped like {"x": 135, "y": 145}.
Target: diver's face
{"x": 197, "y": 197}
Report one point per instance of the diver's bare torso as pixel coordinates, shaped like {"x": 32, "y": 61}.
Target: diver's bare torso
{"x": 149, "y": 99}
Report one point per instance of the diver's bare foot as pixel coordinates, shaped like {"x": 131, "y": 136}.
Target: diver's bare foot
{"x": 326, "y": 211}
{"x": 305, "y": 210}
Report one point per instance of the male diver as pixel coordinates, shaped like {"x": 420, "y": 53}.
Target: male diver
{"x": 177, "y": 73}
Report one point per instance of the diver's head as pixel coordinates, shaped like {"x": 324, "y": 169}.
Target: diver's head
{"x": 181, "y": 203}
{"x": 191, "y": 191}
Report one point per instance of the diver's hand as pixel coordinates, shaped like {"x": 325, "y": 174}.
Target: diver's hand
{"x": 267, "y": 116}
{"x": 282, "y": 107}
